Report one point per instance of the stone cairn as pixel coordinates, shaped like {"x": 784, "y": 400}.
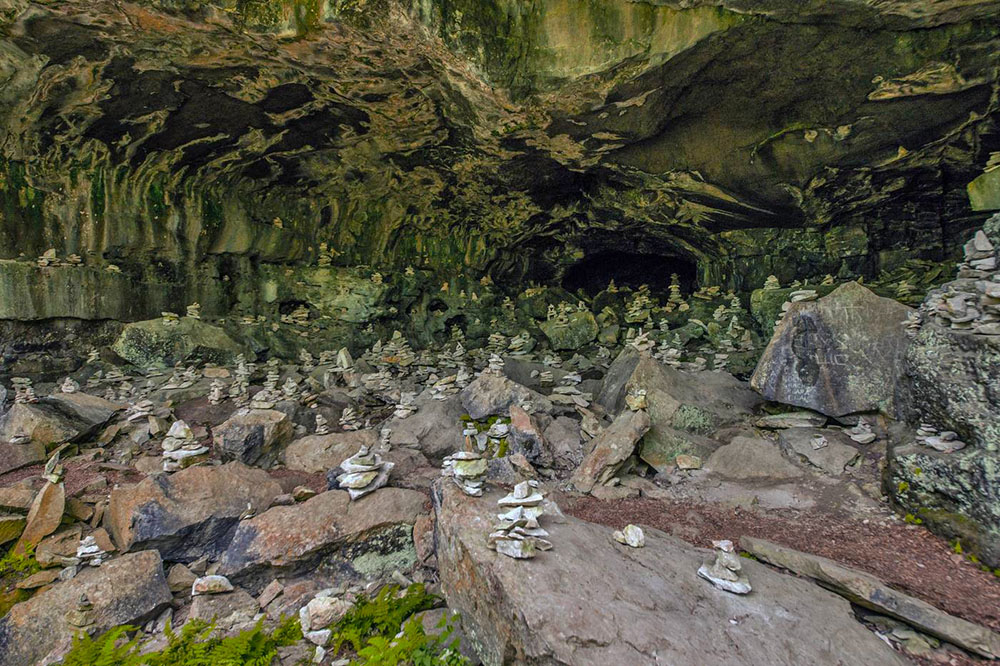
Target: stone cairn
{"x": 862, "y": 433}
{"x": 216, "y": 392}
{"x": 405, "y": 407}
{"x": 349, "y": 419}
{"x": 322, "y": 426}
{"x": 363, "y": 473}
{"x": 179, "y": 446}
{"x": 944, "y": 441}
{"x": 467, "y": 469}
{"x": 725, "y": 571}
{"x": 89, "y": 552}
{"x": 24, "y": 392}
{"x": 69, "y": 385}
{"x": 518, "y": 533}
{"x": 972, "y": 302}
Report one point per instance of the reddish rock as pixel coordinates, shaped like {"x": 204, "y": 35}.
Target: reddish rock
{"x": 44, "y": 516}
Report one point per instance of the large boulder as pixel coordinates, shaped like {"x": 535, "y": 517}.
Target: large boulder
{"x": 321, "y": 453}
{"x": 251, "y": 435}
{"x": 154, "y": 342}
{"x": 751, "y": 459}
{"x": 432, "y": 429}
{"x": 838, "y": 355}
{"x": 562, "y": 609}
{"x": 27, "y": 430}
{"x": 610, "y": 449}
{"x": 367, "y": 538}
{"x": 832, "y": 458}
{"x": 579, "y": 331}
{"x": 190, "y": 513}
{"x": 685, "y": 408}
{"x": 125, "y": 590}
{"x": 492, "y": 395}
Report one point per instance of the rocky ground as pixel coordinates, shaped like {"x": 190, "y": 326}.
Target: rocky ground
{"x": 558, "y": 496}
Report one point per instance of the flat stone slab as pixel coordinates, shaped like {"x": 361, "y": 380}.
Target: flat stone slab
{"x": 832, "y": 458}
{"x": 592, "y": 601}
{"x": 750, "y": 458}
{"x": 868, "y": 591}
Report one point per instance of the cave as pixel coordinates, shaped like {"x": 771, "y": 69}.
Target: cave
{"x": 629, "y": 269}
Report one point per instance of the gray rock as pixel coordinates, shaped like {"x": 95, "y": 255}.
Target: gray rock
{"x": 432, "y": 430}
{"x": 791, "y": 420}
{"x": 321, "y": 453}
{"x": 610, "y": 449}
{"x": 526, "y": 438}
{"x": 868, "y": 591}
{"x": 253, "y": 435}
{"x": 838, "y": 355}
{"x": 832, "y": 458}
{"x": 579, "y": 604}
{"x": 749, "y": 458}
{"x": 125, "y": 590}
{"x": 154, "y": 343}
{"x": 579, "y": 332}
{"x": 563, "y": 436}
{"x": 492, "y": 395}
{"x": 191, "y": 513}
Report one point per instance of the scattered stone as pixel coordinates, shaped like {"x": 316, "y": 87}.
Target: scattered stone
{"x": 44, "y": 516}
{"x": 211, "y": 585}
{"x": 610, "y": 449}
{"x": 631, "y": 535}
{"x": 253, "y": 435}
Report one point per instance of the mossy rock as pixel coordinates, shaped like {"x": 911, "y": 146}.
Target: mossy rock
{"x": 156, "y": 343}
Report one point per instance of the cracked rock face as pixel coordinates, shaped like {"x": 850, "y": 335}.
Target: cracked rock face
{"x": 542, "y": 611}
{"x": 195, "y": 148}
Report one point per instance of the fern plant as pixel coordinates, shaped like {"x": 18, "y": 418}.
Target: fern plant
{"x": 412, "y": 647}
{"x": 380, "y": 616}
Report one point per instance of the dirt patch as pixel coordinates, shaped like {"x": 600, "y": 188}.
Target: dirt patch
{"x": 907, "y": 557}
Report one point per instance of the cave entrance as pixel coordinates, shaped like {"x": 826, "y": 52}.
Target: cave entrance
{"x": 628, "y": 269}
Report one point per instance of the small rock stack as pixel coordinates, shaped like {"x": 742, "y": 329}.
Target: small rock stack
{"x": 179, "y": 447}
{"x": 944, "y": 441}
{"x": 364, "y": 472}
{"x": 518, "y": 533}
{"x": 726, "y": 571}
{"x": 862, "y": 433}
{"x": 467, "y": 469}
{"x": 971, "y": 302}
{"x": 89, "y": 552}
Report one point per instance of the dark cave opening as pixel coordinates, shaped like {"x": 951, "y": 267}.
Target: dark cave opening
{"x": 628, "y": 269}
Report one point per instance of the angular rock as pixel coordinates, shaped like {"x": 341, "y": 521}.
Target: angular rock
{"x": 126, "y": 590}
{"x": 432, "y": 429}
{"x": 321, "y": 453}
{"x": 527, "y": 439}
{"x": 211, "y": 585}
{"x": 16, "y": 498}
{"x": 369, "y": 537}
{"x": 610, "y": 449}
{"x": 529, "y": 612}
{"x": 10, "y": 528}
{"x": 831, "y": 458}
{"x": 838, "y": 355}
{"x": 868, "y": 591}
{"x": 563, "y": 437}
{"x": 749, "y": 458}
{"x": 791, "y": 420}
{"x": 155, "y": 343}
{"x": 230, "y": 610}
{"x": 44, "y": 516}
{"x": 251, "y": 435}
{"x": 188, "y": 514}
{"x": 492, "y": 395}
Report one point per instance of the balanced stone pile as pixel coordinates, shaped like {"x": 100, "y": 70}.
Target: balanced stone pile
{"x": 89, "y": 552}
{"x": 971, "y": 302}
{"x": 862, "y": 433}
{"x": 944, "y": 441}
{"x": 405, "y": 407}
{"x": 179, "y": 446}
{"x": 349, "y": 419}
{"x": 467, "y": 469}
{"x": 364, "y": 472}
{"x": 23, "y": 390}
{"x": 726, "y": 570}
{"x": 518, "y": 534}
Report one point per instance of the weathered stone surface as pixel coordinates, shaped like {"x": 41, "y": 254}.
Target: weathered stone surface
{"x": 492, "y": 395}
{"x": 610, "y": 449}
{"x": 16, "y": 498}
{"x": 580, "y": 331}
{"x": 10, "y": 528}
{"x": 431, "y": 429}
{"x": 563, "y": 436}
{"x": 369, "y": 537}
{"x": 251, "y": 435}
{"x": 868, "y": 591}
{"x": 838, "y": 355}
{"x": 561, "y": 609}
{"x": 801, "y": 419}
{"x": 230, "y": 610}
{"x": 832, "y": 458}
{"x": 26, "y": 430}
{"x": 684, "y": 407}
{"x": 188, "y": 514}
{"x": 154, "y": 343}
{"x": 321, "y": 453}
{"x": 749, "y": 458}
{"x": 44, "y": 516}
{"x": 125, "y": 590}
{"x": 526, "y": 438}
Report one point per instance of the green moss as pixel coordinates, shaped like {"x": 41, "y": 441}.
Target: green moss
{"x": 18, "y": 565}
{"x": 912, "y": 520}
{"x": 903, "y": 486}
{"x": 692, "y": 419}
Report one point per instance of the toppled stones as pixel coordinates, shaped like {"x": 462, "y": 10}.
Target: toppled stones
{"x": 725, "y": 570}
{"x": 191, "y": 513}
{"x": 838, "y": 355}
{"x": 125, "y": 590}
